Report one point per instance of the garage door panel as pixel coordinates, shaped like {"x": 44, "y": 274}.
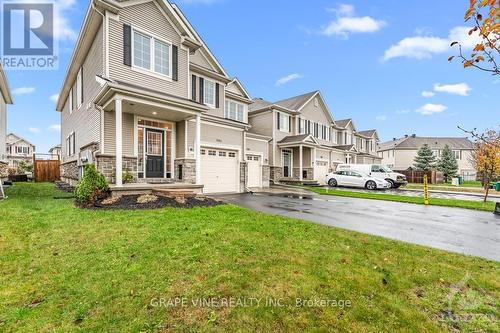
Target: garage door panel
{"x": 254, "y": 165}
{"x": 219, "y": 170}
{"x": 321, "y": 169}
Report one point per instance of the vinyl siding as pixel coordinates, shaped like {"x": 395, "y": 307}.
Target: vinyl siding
{"x": 149, "y": 18}
{"x": 338, "y": 157}
{"x": 200, "y": 60}
{"x": 85, "y": 121}
{"x": 262, "y": 124}
{"x": 110, "y": 134}
{"x": 3, "y": 128}
{"x": 218, "y": 112}
{"x": 235, "y": 90}
{"x": 213, "y": 134}
{"x": 322, "y": 155}
{"x": 317, "y": 115}
{"x": 257, "y": 146}
{"x": 180, "y": 139}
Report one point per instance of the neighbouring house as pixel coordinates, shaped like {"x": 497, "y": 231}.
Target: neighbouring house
{"x": 306, "y": 142}
{"x": 400, "y": 154}
{"x": 55, "y": 152}
{"x": 18, "y": 150}
{"x": 143, "y": 94}
{"x": 5, "y": 99}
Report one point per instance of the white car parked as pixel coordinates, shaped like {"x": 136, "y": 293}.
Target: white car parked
{"x": 355, "y": 179}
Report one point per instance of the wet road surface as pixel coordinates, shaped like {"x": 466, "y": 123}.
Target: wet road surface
{"x": 452, "y": 229}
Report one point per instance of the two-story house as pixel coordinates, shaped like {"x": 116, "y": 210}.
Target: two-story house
{"x": 400, "y": 154}
{"x": 18, "y": 150}
{"x": 306, "y": 142}
{"x": 143, "y": 94}
{"x": 5, "y": 99}
{"x": 55, "y": 152}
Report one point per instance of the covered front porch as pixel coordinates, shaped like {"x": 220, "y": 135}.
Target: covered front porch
{"x": 297, "y": 157}
{"x": 143, "y": 139}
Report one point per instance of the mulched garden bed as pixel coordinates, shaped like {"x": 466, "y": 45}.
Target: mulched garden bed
{"x": 131, "y": 202}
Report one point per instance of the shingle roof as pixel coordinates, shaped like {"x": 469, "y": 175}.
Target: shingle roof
{"x": 258, "y": 104}
{"x": 433, "y": 142}
{"x": 294, "y": 138}
{"x": 343, "y": 122}
{"x": 368, "y": 133}
{"x": 295, "y": 103}
{"x": 344, "y": 147}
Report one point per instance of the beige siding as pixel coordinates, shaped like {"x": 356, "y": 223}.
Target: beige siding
{"x": 260, "y": 146}
{"x": 110, "y": 134}
{"x": 85, "y": 121}
{"x": 405, "y": 158}
{"x": 3, "y": 128}
{"x": 200, "y": 60}
{"x": 213, "y": 134}
{"x": 235, "y": 89}
{"x": 338, "y": 157}
{"x": 262, "y": 124}
{"x": 218, "y": 112}
{"x": 317, "y": 115}
{"x": 150, "y": 19}
{"x": 180, "y": 139}
{"x": 322, "y": 154}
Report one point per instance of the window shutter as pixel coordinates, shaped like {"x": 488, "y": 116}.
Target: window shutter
{"x": 193, "y": 88}
{"x": 217, "y": 97}
{"x": 81, "y": 84}
{"x": 278, "y": 123}
{"x": 175, "y": 63}
{"x": 289, "y": 124}
{"x": 127, "y": 45}
{"x": 202, "y": 91}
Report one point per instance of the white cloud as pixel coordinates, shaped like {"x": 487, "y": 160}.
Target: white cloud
{"x": 54, "y": 128}
{"x": 381, "y": 118}
{"x": 430, "y": 109}
{"x": 346, "y": 23}
{"x": 23, "y": 90}
{"x": 288, "y": 78}
{"x": 34, "y": 130}
{"x": 424, "y": 47}
{"x": 461, "y": 89}
{"x": 428, "y": 94}
{"x": 54, "y": 98}
{"x": 405, "y": 111}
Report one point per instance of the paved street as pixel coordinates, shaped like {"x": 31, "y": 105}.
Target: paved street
{"x": 452, "y": 229}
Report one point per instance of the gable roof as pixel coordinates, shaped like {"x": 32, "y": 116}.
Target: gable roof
{"x": 416, "y": 142}
{"x": 238, "y": 84}
{"x": 4, "y": 87}
{"x": 16, "y": 140}
{"x": 303, "y": 138}
{"x": 296, "y": 103}
{"x": 346, "y": 148}
{"x": 343, "y": 123}
{"x": 368, "y": 133}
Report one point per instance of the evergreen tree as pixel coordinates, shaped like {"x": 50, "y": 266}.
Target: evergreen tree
{"x": 425, "y": 159}
{"x": 447, "y": 164}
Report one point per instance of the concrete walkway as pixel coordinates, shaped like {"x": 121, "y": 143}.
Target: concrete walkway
{"x": 452, "y": 229}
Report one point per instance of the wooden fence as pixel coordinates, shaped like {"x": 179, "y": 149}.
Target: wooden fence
{"x": 46, "y": 170}
{"x": 413, "y": 176}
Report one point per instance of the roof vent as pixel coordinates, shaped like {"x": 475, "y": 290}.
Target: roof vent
{"x": 406, "y": 136}
{"x": 393, "y": 139}
{"x": 414, "y": 136}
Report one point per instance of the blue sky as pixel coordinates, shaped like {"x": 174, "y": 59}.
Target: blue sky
{"x": 383, "y": 63}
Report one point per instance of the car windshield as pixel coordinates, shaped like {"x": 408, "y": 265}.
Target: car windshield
{"x": 385, "y": 168}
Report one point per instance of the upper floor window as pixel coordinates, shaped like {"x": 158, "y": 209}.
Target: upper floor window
{"x": 435, "y": 152}
{"x": 71, "y": 144}
{"x": 79, "y": 87}
{"x": 456, "y": 154}
{"x": 151, "y": 53}
{"x": 302, "y": 129}
{"x": 283, "y": 122}
{"x": 234, "y": 111}
{"x": 22, "y": 150}
{"x": 209, "y": 93}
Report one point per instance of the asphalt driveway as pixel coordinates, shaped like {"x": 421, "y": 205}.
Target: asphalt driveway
{"x": 452, "y": 229}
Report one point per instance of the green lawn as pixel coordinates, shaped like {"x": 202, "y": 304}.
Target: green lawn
{"x": 70, "y": 270}
{"x": 467, "y": 204}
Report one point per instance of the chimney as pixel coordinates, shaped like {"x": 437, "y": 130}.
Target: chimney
{"x": 406, "y": 136}
{"x": 414, "y": 136}
{"x": 393, "y": 139}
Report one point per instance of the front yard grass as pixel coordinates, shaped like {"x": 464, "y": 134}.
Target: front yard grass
{"x": 467, "y": 204}
{"x": 69, "y": 270}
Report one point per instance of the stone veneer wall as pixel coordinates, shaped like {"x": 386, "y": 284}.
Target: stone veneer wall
{"x": 310, "y": 173}
{"x": 243, "y": 176}
{"x": 276, "y": 173}
{"x": 266, "y": 175}
{"x": 69, "y": 172}
{"x": 4, "y": 170}
{"x": 105, "y": 164}
{"x": 188, "y": 171}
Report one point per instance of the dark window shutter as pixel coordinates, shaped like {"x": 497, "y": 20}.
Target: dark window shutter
{"x": 127, "y": 45}
{"x": 278, "y": 114}
{"x": 289, "y": 123}
{"x": 175, "y": 63}
{"x": 202, "y": 91}
{"x": 217, "y": 97}
{"x": 193, "y": 87}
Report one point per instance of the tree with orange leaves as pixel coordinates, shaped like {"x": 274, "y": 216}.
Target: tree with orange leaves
{"x": 486, "y": 158}
{"x": 486, "y": 17}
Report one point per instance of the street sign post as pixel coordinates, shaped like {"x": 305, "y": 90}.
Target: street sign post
{"x": 426, "y": 190}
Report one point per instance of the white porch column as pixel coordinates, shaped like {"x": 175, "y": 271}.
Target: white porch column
{"x": 197, "y": 151}
{"x": 300, "y": 164}
{"x": 119, "y": 142}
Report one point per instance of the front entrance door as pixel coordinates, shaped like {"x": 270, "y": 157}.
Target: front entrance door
{"x": 155, "y": 154}
{"x": 287, "y": 164}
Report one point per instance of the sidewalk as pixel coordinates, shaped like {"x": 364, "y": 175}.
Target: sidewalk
{"x": 493, "y": 194}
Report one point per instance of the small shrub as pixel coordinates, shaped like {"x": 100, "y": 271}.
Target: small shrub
{"x": 92, "y": 187}
{"x": 127, "y": 177}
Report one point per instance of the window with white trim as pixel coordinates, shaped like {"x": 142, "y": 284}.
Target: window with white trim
{"x": 79, "y": 88}
{"x": 302, "y": 126}
{"x": 22, "y": 150}
{"x": 283, "y": 122}
{"x": 234, "y": 111}
{"x": 151, "y": 54}
{"x": 70, "y": 144}
{"x": 209, "y": 93}
{"x": 456, "y": 154}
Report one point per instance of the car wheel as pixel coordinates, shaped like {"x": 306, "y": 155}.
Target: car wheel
{"x": 392, "y": 183}
{"x": 332, "y": 182}
{"x": 396, "y": 186}
{"x": 371, "y": 185}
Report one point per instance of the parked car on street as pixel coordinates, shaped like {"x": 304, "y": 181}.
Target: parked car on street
{"x": 355, "y": 179}
{"x": 396, "y": 180}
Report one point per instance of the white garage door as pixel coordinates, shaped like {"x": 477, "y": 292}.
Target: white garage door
{"x": 254, "y": 171}
{"x": 320, "y": 171}
{"x": 219, "y": 170}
